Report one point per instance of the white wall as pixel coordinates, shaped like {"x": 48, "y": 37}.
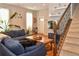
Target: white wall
{"x": 12, "y": 9}
{"x": 17, "y": 21}
{"x": 43, "y": 28}
{"x": 74, "y": 5}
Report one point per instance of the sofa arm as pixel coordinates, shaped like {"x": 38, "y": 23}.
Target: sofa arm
{"x": 19, "y": 38}
{"x": 5, "y": 51}
{"x": 39, "y": 51}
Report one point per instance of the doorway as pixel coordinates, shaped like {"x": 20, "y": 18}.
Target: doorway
{"x": 41, "y": 26}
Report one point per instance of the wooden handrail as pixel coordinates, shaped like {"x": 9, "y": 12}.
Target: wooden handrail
{"x": 63, "y": 15}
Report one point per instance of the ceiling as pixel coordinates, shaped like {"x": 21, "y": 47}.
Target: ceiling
{"x": 32, "y": 6}
{"x": 39, "y": 6}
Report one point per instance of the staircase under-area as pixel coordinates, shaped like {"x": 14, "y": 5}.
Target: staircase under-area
{"x": 55, "y": 14}
{"x": 71, "y": 43}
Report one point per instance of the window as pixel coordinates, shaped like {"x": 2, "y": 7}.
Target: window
{"x": 4, "y": 17}
{"x": 29, "y": 21}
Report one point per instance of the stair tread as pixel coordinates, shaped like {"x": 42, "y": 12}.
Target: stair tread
{"x": 68, "y": 53}
{"x": 75, "y": 29}
{"x": 77, "y": 36}
{"x": 72, "y": 40}
{"x": 72, "y": 25}
{"x": 69, "y": 37}
{"x": 73, "y": 33}
{"x": 75, "y": 21}
{"x": 71, "y": 47}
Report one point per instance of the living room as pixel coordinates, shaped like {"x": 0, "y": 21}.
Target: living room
{"x": 34, "y": 25}
{"x": 15, "y": 18}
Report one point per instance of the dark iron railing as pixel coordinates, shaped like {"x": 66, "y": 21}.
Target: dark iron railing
{"x": 60, "y": 28}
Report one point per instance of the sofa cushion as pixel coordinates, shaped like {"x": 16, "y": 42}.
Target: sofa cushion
{"x": 14, "y": 46}
{"x": 27, "y": 42}
{"x": 40, "y": 50}
{"x": 30, "y": 48}
{"x": 16, "y": 33}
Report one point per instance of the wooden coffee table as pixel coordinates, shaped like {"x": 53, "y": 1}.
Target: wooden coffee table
{"x": 42, "y": 38}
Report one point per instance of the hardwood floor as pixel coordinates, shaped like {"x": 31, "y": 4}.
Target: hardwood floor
{"x": 50, "y": 53}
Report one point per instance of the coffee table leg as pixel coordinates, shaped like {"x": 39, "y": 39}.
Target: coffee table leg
{"x": 51, "y": 45}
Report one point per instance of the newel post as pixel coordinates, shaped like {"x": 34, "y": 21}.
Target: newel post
{"x": 55, "y": 30}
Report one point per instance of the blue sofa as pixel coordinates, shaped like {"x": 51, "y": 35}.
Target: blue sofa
{"x": 10, "y": 47}
{"x": 15, "y": 33}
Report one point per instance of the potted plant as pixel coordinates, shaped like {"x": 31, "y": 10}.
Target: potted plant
{"x": 4, "y": 26}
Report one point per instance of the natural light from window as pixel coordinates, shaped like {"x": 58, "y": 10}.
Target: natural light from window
{"x": 29, "y": 21}
{"x": 4, "y": 17}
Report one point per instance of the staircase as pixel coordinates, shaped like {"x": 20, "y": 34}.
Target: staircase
{"x": 71, "y": 43}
